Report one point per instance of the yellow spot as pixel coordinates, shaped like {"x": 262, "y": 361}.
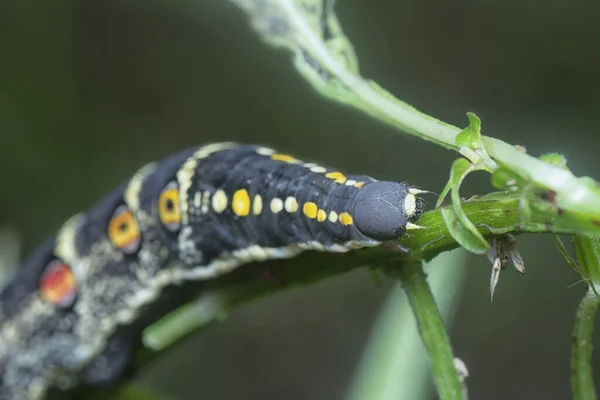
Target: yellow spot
{"x": 345, "y": 219}
{"x": 321, "y": 215}
{"x": 291, "y": 204}
{"x": 276, "y": 205}
{"x": 317, "y": 169}
{"x": 310, "y": 210}
{"x": 241, "y": 203}
{"x": 284, "y": 158}
{"x": 257, "y": 205}
{"x": 333, "y": 217}
{"x": 219, "y": 201}
{"x": 359, "y": 185}
{"x": 338, "y": 177}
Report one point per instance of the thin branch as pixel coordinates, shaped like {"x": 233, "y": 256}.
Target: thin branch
{"x": 582, "y": 377}
{"x": 432, "y": 330}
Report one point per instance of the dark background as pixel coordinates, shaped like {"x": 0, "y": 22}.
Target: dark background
{"x": 91, "y": 90}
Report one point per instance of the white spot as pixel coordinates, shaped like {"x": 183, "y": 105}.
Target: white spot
{"x": 265, "y": 151}
{"x": 410, "y": 226}
{"x": 219, "y": 201}
{"x": 410, "y": 204}
{"x": 333, "y": 216}
{"x": 198, "y": 200}
{"x": 206, "y": 197}
{"x": 318, "y": 169}
{"x": 291, "y": 204}
{"x": 351, "y": 182}
{"x": 276, "y": 205}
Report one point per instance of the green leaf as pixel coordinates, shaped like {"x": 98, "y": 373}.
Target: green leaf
{"x": 459, "y": 225}
{"x": 471, "y": 146}
{"x": 471, "y": 136}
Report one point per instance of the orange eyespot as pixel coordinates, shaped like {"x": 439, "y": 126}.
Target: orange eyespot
{"x": 123, "y": 230}
{"x": 168, "y": 207}
{"x": 58, "y": 285}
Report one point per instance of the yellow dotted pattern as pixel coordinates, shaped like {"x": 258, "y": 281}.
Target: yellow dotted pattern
{"x": 241, "y": 203}
{"x": 310, "y": 210}
{"x": 346, "y": 219}
{"x": 257, "y": 205}
{"x": 359, "y": 185}
{"x": 284, "y": 158}
{"x": 338, "y": 177}
{"x": 321, "y": 215}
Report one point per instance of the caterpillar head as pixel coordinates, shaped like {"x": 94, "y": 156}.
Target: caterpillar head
{"x": 386, "y": 210}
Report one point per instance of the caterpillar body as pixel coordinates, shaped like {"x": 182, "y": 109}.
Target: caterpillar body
{"x": 76, "y": 307}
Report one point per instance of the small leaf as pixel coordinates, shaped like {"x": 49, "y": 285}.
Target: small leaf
{"x": 468, "y": 235}
{"x": 555, "y": 159}
{"x": 471, "y": 136}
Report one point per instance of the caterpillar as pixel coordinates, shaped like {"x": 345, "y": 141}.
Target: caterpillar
{"x": 76, "y": 307}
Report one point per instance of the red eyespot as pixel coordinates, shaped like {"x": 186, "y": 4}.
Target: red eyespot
{"x": 58, "y": 285}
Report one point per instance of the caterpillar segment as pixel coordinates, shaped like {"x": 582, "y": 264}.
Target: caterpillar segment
{"x": 75, "y": 309}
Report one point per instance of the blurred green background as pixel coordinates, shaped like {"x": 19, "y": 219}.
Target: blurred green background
{"x": 90, "y": 90}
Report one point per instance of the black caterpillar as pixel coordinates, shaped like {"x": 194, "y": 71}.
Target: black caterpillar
{"x": 73, "y": 311}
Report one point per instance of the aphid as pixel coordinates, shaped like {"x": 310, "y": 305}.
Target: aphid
{"x": 76, "y": 308}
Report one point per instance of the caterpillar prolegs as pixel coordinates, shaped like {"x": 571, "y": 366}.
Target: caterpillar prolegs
{"x": 76, "y": 306}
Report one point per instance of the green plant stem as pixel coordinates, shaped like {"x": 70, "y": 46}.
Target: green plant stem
{"x": 587, "y": 251}
{"x": 432, "y": 330}
{"x": 394, "y": 365}
{"x": 582, "y": 378}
